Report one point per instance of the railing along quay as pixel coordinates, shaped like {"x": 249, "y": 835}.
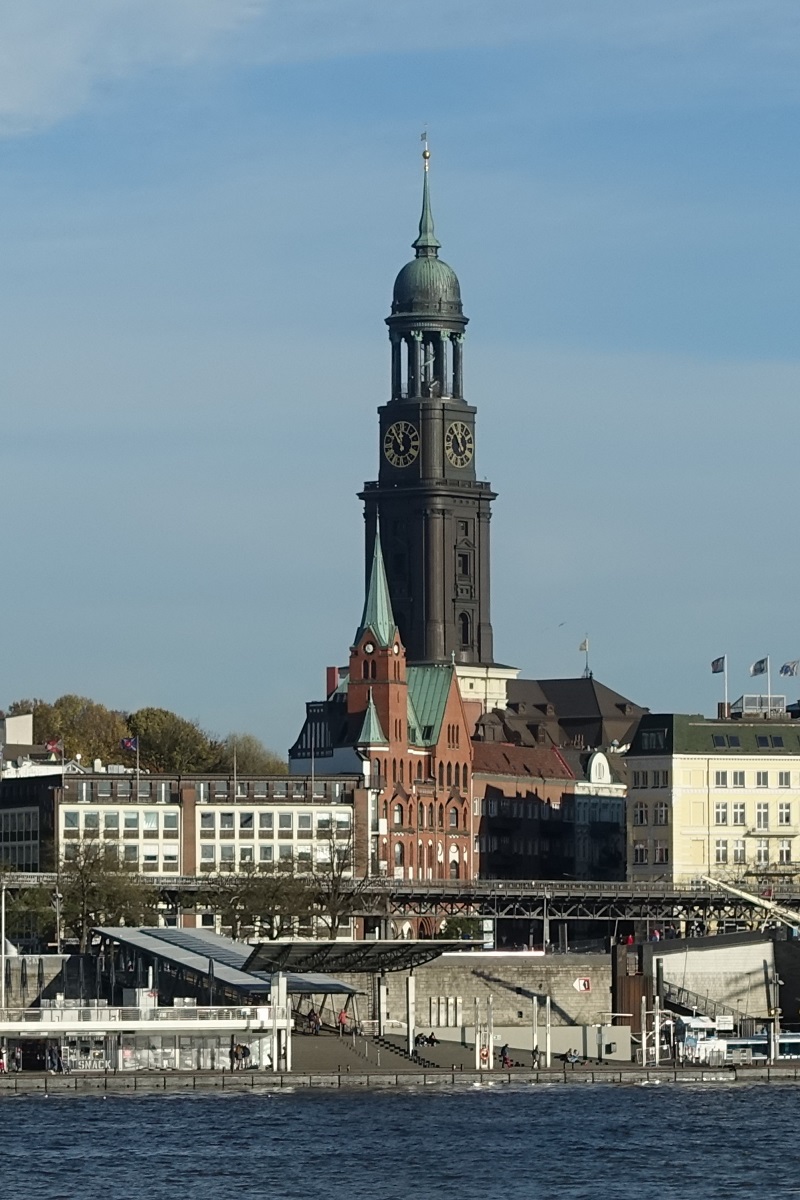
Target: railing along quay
{"x": 531, "y": 899}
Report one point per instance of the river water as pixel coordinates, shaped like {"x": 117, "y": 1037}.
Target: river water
{"x": 579, "y": 1142}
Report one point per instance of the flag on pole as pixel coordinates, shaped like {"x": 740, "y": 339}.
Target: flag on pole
{"x": 760, "y": 667}
{"x": 54, "y": 746}
{"x": 130, "y": 743}
{"x": 718, "y": 665}
{"x": 584, "y": 646}
{"x": 791, "y": 668}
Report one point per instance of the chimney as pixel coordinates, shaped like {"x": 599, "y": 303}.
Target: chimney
{"x": 331, "y": 680}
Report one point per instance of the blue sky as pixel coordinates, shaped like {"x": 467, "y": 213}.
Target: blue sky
{"x": 203, "y": 204}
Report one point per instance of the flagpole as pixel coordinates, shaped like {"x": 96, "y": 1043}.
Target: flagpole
{"x": 725, "y": 684}
{"x": 137, "y": 768}
{"x": 769, "y": 690}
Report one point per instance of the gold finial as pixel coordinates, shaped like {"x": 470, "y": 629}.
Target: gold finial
{"x": 426, "y": 154}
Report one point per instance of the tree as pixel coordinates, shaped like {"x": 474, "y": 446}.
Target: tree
{"x": 170, "y": 743}
{"x": 259, "y": 899}
{"x": 252, "y": 756}
{"x": 462, "y": 928}
{"x": 31, "y": 913}
{"x": 84, "y": 727}
{"x": 336, "y": 891}
{"x": 97, "y": 890}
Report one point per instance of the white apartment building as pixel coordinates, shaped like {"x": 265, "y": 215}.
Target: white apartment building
{"x": 716, "y": 798}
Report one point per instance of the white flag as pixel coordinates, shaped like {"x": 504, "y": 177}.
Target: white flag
{"x": 584, "y": 646}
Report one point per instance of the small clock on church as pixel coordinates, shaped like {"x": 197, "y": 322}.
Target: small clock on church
{"x": 459, "y": 444}
{"x": 401, "y": 443}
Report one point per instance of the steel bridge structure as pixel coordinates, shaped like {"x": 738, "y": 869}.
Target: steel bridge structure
{"x": 542, "y": 900}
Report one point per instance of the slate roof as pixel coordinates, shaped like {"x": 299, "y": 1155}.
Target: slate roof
{"x": 578, "y": 712}
{"x": 681, "y": 733}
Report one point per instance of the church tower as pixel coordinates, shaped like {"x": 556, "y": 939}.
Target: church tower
{"x": 433, "y": 512}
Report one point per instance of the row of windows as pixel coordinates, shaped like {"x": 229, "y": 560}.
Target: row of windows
{"x": 301, "y": 856}
{"x": 87, "y": 790}
{"x": 723, "y": 810}
{"x": 90, "y": 820}
{"x": 656, "y": 779}
{"x": 762, "y": 778}
{"x": 738, "y": 812}
{"x": 19, "y": 826}
{"x": 725, "y": 852}
{"x": 641, "y": 853}
{"x": 660, "y": 813}
{"x": 401, "y": 816}
{"x": 449, "y": 775}
{"x": 764, "y": 741}
{"x": 146, "y": 859}
{"x": 150, "y": 822}
{"x": 326, "y": 823}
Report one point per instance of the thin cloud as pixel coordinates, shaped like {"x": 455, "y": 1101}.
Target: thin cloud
{"x": 55, "y": 56}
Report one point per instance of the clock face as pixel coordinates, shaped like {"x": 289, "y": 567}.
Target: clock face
{"x": 459, "y": 444}
{"x": 401, "y": 443}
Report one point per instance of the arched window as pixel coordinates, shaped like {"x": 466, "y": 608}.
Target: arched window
{"x": 419, "y": 768}
{"x": 422, "y": 816}
{"x": 373, "y": 669}
{"x": 376, "y": 771}
{"x": 394, "y": 770}
{"x": 464, "y": 629}
{"x": 399, "y": 854}
{"x": 449, "y": 774}
{"x": 401, "y": 770}
{"x": 411, "y": 854}
{"x": 411, "y": 814}
{"x": 441, "y": 774}
{"x": 430, "y": 816}
{"x": 465, "y": 778}
{"x": 454, "y": 818}
{"x": 458, "y": 775}
{"x": 365, "y": 669}
{"x": 398, "y": 814}
{"x": 454, "y": 868}
{"x": 441, "y": 816}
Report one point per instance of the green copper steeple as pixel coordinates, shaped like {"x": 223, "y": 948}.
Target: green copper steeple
{"x": 372, "y": 731}
{"x": 377, "y": 616}
{"x": 426, "y": 244}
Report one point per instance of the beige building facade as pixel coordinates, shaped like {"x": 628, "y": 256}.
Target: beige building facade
{"x": 716, "y": 798}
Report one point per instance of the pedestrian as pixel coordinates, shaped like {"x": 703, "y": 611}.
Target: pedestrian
{"x": 342, "y": 1019}
{"x": 313, "y": 1021}
{"x": 245, "y": 1057}
{"x": 535, "y": 1058}
{"x": 629, "y": 940}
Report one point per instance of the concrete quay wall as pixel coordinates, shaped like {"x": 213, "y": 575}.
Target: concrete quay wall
{"x": 33, "y": 1084}
{"x": 446, "y": 989}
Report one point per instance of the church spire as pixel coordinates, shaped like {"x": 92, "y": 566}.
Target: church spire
{"x": 372, "y": 731}
{"x": 426, "y": 244}
{"x": 377, "y": 616}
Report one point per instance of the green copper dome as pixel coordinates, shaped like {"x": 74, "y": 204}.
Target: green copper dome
{"x": 426, "y": 284}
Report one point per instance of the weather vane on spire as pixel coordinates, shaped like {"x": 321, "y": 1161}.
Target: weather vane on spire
{"x": 426, "y": 154}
